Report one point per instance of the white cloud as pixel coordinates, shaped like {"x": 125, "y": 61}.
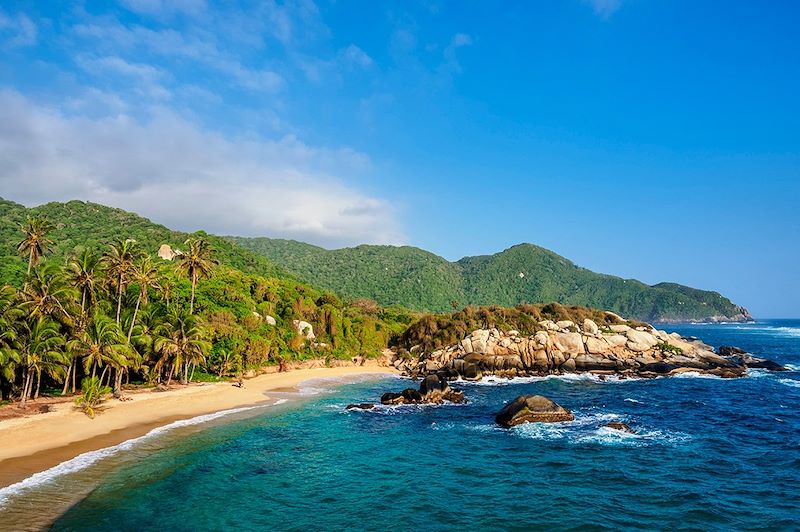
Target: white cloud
{"x": 172, "y": 171}
{"x": 605, "y": 8}
{"x": 165, "y": 8}
{"x": 451, "y": 63}
{"x": 17, "y": 30}
{"x": 146, "y": 78}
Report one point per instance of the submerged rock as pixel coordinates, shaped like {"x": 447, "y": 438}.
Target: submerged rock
{"x": 622, "y": 427}
{"x": 360, "y": 406}
{"x": 532, "y": 409}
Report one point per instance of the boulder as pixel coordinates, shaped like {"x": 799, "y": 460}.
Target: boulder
{"x": 596, "y": 346}
{"x": 763, "y": 363}
{"x": 565, "y": 324}
{"x": 730, "y": 351}
{"x": 619, "y": 328}
{"x": 165, "y": 252}
{"x": 590, "y": 327}
{"x": 432, "y": 383}
{"x": 270, "y": 320}
{"x": 622, "y": 427}
{"x": 568, "y": 365}
{"x": 532, "y": 409}
{"x": 571, "y": 343}
{"x": 480, "y": 340}
{"x": 360, "y": 406}
{"x": 304, "y": 328}
{"x": 641, "y": 338}
{"x": 541, "y": 339}
{"x": 549, "y": 325}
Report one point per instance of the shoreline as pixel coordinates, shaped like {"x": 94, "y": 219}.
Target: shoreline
{"x": 32, "y": 444}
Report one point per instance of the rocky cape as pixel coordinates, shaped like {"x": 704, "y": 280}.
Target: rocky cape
{"x": 566, "y": 347}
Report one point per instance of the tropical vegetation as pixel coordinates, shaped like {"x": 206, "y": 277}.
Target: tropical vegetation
{"x": 84, "y": 308}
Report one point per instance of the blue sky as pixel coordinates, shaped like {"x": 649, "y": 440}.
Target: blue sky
{"x": 648, "y": 139}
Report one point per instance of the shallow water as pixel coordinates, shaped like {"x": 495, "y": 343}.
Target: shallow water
{"x": 709, "y": 453}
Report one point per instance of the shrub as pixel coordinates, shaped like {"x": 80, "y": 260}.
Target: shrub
{"x": 92, "y": 394}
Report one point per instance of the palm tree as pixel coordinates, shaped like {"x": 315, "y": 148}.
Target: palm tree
{"x": 47, "y": 293}
{"x": 81, "y": 273}
{"x": 180, "y": 341}
{"x": 196, "y": 262}
{"x": 118, "y": 261}
{"x": 10, "y": 313}
{"x": 146, "y": 275}
{"x": 35, "y": 244}
{"x": 101, "y": 344}
{"x": 39, "y": 344}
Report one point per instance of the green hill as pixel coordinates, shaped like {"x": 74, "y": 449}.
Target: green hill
{"x": 84, "y": 224}
{"x": 524, "y": 273}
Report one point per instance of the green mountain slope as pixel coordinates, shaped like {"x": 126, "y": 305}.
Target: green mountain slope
{"x": 521, "y": 274}
{"x": 84, "y": 224}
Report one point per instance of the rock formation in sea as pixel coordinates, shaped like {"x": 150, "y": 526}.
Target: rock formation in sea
{"x": 630, "y": 348}
{"x": 433, "y": 389}
{"x": 532, "y": 409}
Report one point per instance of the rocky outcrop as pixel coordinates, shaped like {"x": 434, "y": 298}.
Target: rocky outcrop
{"x": 532, "y": 409}
{"x": 565, "y": 347}
{"x": 166, "y": 252}
{"x": 304, "y": 328}
{"x": 360, "y": 406}
{"x": 433, "y": 389}
{"x": 622, "y": 427}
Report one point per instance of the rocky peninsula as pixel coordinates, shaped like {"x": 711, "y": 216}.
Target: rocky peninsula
{"x": 621, "y": 348}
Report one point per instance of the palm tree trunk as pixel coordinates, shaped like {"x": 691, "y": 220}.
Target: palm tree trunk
{"x": 194, "y": 285}
{"x": 119, "y": 296}
{"x": 169, "y": 374}
{"x": 83, "y": 307}
{"x": 74, "y": 375}
{"x": 133, "y": 321}
{"x": 24, "y": 395}
{"x": 38, "y": 383}
{"x": 103, "y": 375}
{"x": 118, "y": 382}
{"x": 30, "y": 261}
{"x": 192, "y": 375}
{"x": 66, "y": 379}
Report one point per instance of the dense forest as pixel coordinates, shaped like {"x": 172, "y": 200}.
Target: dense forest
{"x": 524, "y": 273}
{"x": 86, "y": 299}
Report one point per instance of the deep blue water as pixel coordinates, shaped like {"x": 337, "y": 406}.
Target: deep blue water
{"x": 709, "y": 454}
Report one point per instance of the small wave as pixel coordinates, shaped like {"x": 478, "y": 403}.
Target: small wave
{"x": 390, "y": 410}
{"x": 280, "y": 402}
{"x": 693, "y": 375}
{"x": 791, "y": 367}
{"x": 592, "y": 429}
{"x": 613, "y": 437}
{"x": 629, "y": 400}
{"x": 566, "y": 377}
{"x": 790, "y": 382}
{"x": 82, "y": 461}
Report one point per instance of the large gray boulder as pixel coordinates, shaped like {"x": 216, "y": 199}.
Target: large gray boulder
{"x": 532, "y": 409}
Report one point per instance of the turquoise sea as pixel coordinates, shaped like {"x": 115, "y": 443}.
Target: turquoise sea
{"x": 709, "y": 454}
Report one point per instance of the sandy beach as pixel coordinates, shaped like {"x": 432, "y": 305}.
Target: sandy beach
{"x": 35, "y": 443}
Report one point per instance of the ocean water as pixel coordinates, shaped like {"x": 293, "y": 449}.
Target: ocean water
{"x": 708, "y": 454}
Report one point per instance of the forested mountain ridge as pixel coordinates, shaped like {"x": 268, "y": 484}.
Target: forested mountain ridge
{"x": 524, "y": 273}
{"x": 393, "y": 276}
